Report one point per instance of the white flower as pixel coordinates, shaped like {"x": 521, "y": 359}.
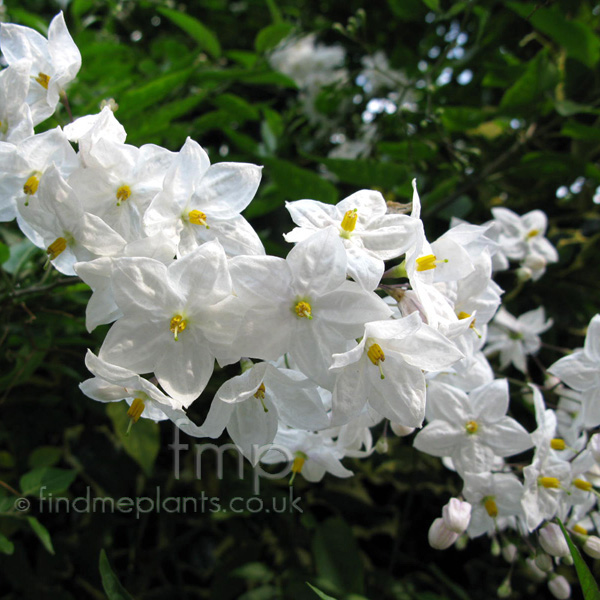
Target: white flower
{"x": 54, "y": 62}
{"x": 440, "y": 536}
{"x": 581, "y": 371}
{"x": 385, "y": 370}
{"x": 201, "y": 202}
{"x": 456, "y": 514}
{"x": 176, "y": 319}
{"x": 553, "y": 541}
{"x": 472, "y": 429}
{"x": 516, "y": 338}
{"x": 15, "y": 116}
{"x": 370, "y": 235}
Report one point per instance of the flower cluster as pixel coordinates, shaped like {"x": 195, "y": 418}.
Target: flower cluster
{"x": 185, "y": 281}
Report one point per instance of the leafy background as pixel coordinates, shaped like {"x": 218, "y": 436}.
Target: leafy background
{"x": 522, "y": 132}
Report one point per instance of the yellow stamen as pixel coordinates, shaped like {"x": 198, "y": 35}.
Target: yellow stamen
{"x": 471, "y": 427}
{"x": 123, "y": 193}
{"x": 549, "y": 482}
{"x": 31, "y": 185}
{"x": 376, "y": 356}
{"x": 43, "y": 80}
{"x": 580, "y": 529}
{"x": 197, "y": 217}
{"x": 56, "y": 247}
{"x": 260, "y": 395}
{"x": 349, "y": 222}
{"x": 557, "y": 444}
{"x": 299, "y": 460}
{"x": 303, "y": 310}
{"x": 178, "y": 324}
{"x": 136, "y": 409}
{"x": 581, "y": 484}
{"x": 425, "y": 263}
{"x": 463, "y": 315}
{"x": 533, "y": 233}
{"x": 490, "y": 506}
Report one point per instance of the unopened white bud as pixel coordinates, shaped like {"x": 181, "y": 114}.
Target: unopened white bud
{"x": 535, "y": 262}
{"x": 559, "y": 587}
{"x": 509, "y": 552}
{"x": 456, "y": 515}
{"x": 523, "y": 274}
{"x": 543, "y": 562}
{"x": 567, "y": 560}
{"x": 439, "y": 536}
{"x": 495, "y": 548}
{"x": 553, "y": 541}
{"x": 401, "y": 430}
{"x": 592, "y": 546}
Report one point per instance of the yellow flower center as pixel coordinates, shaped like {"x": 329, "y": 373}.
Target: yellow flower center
{"x": 123, "y": 193}
{"x": 32, "y": 184}
{"x": 136, "y": 409}
{"x": 43, "y": 80}
{"x": 490, "y": 506}
{"x": 178, "y": 324}
{"x": 349, "y": 223}
{"x": 58, "y": 246}
{"x": 299, "y": 460}
{"x": 557, "y": 444}
{"x": 376, "y": 356}
{"x": 580, "y": 529}
{"x": 471, "y": 427}
{"x": 260, "y": 395}
{"x": 533, "y": 233}
{"x": 197, "y": 217}
{"x": 428, "y": 262}
{"x": 551, "y": 483}
{"x": 303, "y": 309}
{"x": 581, "y": 484}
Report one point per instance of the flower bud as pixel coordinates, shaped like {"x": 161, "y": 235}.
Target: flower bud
{"x": 543, "y": 562}
{"x": 559, "y": 587}
{"x": 592, "y": 546}
{"x": 534, "y": 571}
{"x": 553, "y": 541}
{"x": 535, "y": 262}
{"x": 439, "y": 536}
{"x": 381, "y": 447}
{"x": 523, "y": 274}
{"x": 509, "y": 552}
{"x": 401, "y": 430}
{"x": 504, "y": 591}
{"x": 456, "y": 515}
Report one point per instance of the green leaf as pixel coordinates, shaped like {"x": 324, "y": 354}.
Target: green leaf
{"x": 46, "y": 480}
{"x": 577, "y": 131}
{"x": 44, "y": 456}
{"x": 462, "y": 118}
{"x": 434, "y": 5}
{"x": 576, "y": 37}
{"x": 319, "y": 593}
{"x": 589, "y": 587}
{"x": 296, "y": 183}
{"x": 237, "y": 107}
{"x": 270, "y": 36}
{"x": 6, "y": 546}
{"x": 19, "y": 255}
{"x": 143, "y": 442}
{"x": 367, "y": 173}
{"x": 28, "y": 19}
{"x": 411, "y": 150}
{"x": 254, "y": 571}
{"x": 539, "y": 77}
{"x": 42, "y": 533}
{"x": 337, "y": 556}
{"x": 4, "y": 253}
{"x": 206, "y": 39}
{"x": 112, "y": 586}
{"x": 408, "y": 10}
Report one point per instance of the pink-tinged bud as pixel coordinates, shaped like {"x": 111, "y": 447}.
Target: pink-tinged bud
{"x": 440, "y": 537}
{"x": 559, "y": 587}
{"x": 594, "y": 446}
{"x": 591, "y": 546}
{"x": 553, "y": 541}
{"x": 401, "y": 430}
{"x": 456, "y": 515}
